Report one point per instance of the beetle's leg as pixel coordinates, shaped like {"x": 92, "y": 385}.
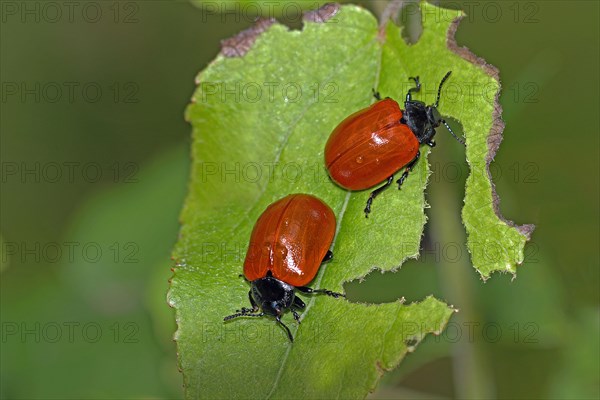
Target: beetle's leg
{"x": 328, "y": 256}
{"x": 376, "y": 94}
{"x": 415, "y": 89}
{"x": 278, "y": 319}
{"x": 298, "y": 303}
{"x": 375, "y": 193}
{"x": 431, "y": 143}
{"x": 296, "y": 316}
{"x": 254, "y": 305}
{"x": 307, "y": 290}
{"x": 408, "y": 168}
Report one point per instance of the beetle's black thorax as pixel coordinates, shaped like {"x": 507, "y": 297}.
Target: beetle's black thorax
{"x": 272, "y": 295}
{"x": 421, "y": 119}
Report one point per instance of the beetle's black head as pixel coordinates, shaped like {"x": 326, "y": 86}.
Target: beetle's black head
{"x": 421, "y": 119}
{"x": 424, "y": 119}
{"x": 272, "y": 295}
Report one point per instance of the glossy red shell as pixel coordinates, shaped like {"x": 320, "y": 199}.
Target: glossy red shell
{"x": 369, "y": 146}
{"x": 290, "y": 238}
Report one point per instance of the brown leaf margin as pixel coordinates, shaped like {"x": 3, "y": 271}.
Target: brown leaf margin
{"x": 322, "y": 14}
{"x": 494, "y": 137}
{"x": 240, "y": 44}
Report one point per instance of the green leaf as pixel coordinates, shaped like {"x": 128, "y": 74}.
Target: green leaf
{"x": 261, "y": 115}
{"x": 471, "y": 97}
{"x": 495, "y": 243}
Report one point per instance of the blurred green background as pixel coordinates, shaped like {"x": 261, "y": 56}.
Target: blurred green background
{"x": 94, "y": 153}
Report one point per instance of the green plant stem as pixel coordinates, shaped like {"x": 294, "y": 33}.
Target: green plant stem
{"x": 379, "y": 7}
{"x": 472, "y": 377}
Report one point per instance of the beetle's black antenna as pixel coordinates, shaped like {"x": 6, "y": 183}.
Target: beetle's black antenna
{"x": 286, "y": 329}
{"x": 440, "y": 88}
{"x": 242, "y": 314}
{"x": 453, "y": 134}
{"x": 437, "y": 100}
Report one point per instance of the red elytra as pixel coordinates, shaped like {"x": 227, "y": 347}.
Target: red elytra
{"x": 290, "y": 239}
{"x": 369, "y": 146}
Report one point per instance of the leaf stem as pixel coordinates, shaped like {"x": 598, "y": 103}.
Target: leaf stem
{"x": 472, "y": 377}
{"x": 379, "y": 7}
